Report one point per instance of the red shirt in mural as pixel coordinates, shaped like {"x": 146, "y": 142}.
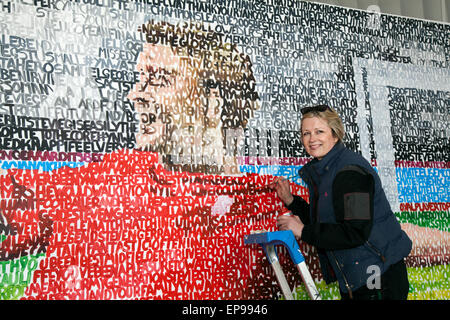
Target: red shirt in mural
{"x": 126, "y": 228}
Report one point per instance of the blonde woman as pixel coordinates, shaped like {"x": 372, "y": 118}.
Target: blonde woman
{"x": 348, "y": 219}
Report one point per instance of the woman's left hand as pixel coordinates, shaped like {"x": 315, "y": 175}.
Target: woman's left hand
{"x": 292, "y": 223}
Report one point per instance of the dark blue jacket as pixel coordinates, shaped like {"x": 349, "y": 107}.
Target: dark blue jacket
{"x": 387, "y": 243}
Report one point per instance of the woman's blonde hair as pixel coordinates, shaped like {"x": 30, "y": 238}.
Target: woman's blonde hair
{"x": 329, "y": 115}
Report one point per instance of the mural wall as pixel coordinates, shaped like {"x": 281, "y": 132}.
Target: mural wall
{"x": 137, "y": 140}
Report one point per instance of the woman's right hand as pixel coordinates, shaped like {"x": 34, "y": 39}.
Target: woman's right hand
{"x": 283, "y": 189}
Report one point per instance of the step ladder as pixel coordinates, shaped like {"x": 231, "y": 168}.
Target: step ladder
{"x": 268, "y": 241}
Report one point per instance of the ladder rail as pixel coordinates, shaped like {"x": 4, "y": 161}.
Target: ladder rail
{"x": 275, "y": 263}
{"x": 268, "y": 241}
{"x": 308, "y": 281}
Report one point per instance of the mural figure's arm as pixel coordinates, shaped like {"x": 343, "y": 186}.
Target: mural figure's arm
{"x": 18, "y": 239}
{"x": 430, "y": 246}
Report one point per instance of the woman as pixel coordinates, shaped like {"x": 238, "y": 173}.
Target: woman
{"x": 348, "y": 217}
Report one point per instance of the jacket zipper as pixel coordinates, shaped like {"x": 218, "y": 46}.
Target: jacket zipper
{"x": 377, "y": 252}
{"x": 343, "y": 276}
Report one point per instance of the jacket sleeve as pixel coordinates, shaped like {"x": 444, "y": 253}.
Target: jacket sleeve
{"x": 353, "y": 193}
{"x": 300, "y": 208}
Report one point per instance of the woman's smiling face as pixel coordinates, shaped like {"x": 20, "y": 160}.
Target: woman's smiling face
{"x": 317, "y": 137}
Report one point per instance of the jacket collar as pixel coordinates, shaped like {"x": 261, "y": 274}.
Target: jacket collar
{"x": 322, "y": 166}
{"x": 316, "y": 168}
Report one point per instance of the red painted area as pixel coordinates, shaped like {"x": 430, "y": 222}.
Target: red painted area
{"x": 126, "y": 228}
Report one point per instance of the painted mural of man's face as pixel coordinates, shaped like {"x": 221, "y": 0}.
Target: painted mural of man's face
{"x": 163, "y": 81}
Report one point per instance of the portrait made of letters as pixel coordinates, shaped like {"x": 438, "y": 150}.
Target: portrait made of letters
{"x": 163, "y": 214}
{"x": 165, "y": 219}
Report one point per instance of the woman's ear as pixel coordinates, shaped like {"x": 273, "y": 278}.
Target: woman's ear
{"x": 335, "y": 136}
